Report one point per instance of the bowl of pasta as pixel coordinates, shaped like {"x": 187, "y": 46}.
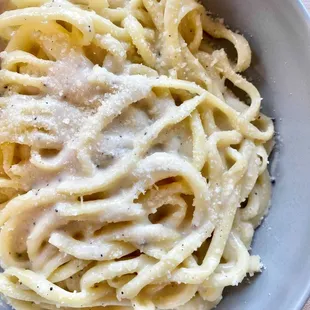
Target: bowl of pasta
{"x": 154, "y": 154}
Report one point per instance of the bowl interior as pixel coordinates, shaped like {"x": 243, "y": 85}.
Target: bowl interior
{"x": 279, "y": 35}
{"x": 280, "y": 39}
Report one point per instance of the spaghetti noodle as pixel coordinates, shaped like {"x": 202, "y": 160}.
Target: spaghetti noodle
{"x": 131, "y": 174}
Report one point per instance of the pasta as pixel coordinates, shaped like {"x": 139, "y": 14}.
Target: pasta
{"x": 133, "y": 156}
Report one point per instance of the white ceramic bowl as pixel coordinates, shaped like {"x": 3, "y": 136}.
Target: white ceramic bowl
{"x": 279, "y": 33}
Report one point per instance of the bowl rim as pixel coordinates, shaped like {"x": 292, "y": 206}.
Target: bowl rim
{"x": 304, "y": 13}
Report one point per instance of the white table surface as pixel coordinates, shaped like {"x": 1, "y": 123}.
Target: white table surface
{"x": 307, "y": 4}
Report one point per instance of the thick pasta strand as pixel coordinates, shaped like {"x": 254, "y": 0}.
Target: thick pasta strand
{"x": 131, "y": 176}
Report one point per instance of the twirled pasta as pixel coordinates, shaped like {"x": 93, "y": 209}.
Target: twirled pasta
{"x": 131, "y": 175}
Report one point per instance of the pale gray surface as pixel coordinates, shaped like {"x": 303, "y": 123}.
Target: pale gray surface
{"x": 307, "y": 4}
{"x": 279, "y": 33}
